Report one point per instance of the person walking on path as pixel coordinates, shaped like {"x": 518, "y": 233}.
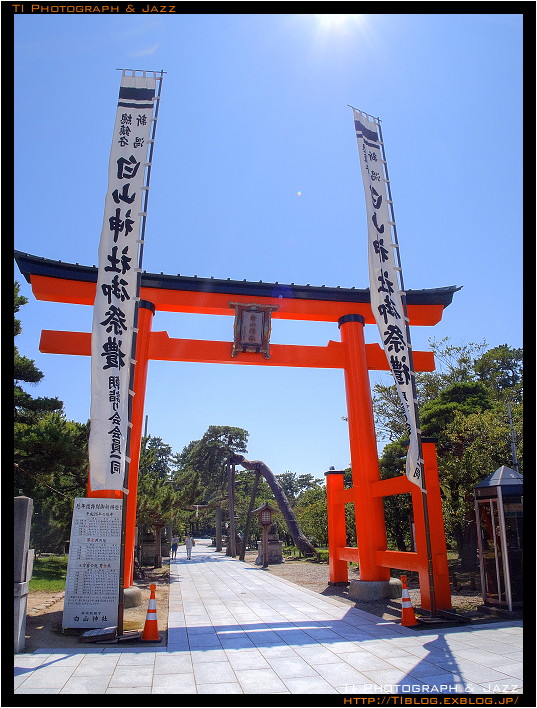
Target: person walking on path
{"x": 175, "y": 541}
{"x": 189, "y": 542}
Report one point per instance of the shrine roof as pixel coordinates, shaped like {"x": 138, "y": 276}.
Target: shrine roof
{"x": 36, "y": 265}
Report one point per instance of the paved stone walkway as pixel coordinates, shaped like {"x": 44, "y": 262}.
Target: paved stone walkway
{"x": 235, "y": 628}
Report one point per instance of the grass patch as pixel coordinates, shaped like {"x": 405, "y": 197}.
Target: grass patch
{"x": 292, "y": 553}
{"x": 322, "y": 555}
{"x": 49, "y": 574}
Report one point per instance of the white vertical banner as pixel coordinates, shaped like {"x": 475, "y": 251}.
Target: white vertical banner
{"x": 386, "y": 294}
{"x": 117, "y": 283}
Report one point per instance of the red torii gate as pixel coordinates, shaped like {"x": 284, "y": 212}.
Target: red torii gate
{"x": 350, "y": 308}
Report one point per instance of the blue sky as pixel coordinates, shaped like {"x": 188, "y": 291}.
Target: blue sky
{"x": 256, "y": 176}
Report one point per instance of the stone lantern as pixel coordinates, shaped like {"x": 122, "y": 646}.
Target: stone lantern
{"x": 498, "y": 509}
{"x": 269, "y": 549}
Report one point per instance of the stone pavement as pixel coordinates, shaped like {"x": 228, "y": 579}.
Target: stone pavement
{"x": 235, "y": 628}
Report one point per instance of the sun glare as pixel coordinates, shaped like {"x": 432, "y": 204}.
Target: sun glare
{"x": 338, "y": 21}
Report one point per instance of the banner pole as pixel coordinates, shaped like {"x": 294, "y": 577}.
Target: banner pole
{"x": 121, "y": 602}
{"x": 413, "y": 381}
{"x": 121, "y": 595}
{"x": 148, "y": 174}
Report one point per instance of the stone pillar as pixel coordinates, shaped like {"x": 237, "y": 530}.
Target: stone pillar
{"x": 23, "y": 566}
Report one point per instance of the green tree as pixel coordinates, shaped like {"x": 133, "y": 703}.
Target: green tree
{"x": 27, "y": 408}
{"x": 157, "y": 456}
{"x": 462, "y": 398}
{"x": 157, "y": 500}
{"x": 50, "y": 452}
{"x": 500, "y": 369}
{"x": 397, "y": 508}
{"x": 455, "y": 364}
{"x": 312, "y": 515}
{"x": 164, "y": 492}
{"x": 51, "y": 462}
{"x": 294, "y": 485}
{"x": 475, "y": 445}
{"x": 207, "y": 457}
{"x": 469, "y": 390}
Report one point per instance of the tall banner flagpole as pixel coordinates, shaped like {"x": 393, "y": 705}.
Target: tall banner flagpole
{"x": 143, "y": 215}
{"x": 95, "y": 574}
{"x": 388, "y": 299}
{"x": 118, "y": 282}
{"x": 115, "y": 312}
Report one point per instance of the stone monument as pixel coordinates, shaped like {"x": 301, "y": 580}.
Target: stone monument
{"x": 24, "y": 557}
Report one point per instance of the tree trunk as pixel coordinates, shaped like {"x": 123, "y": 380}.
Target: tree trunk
{"x": 142, "y": 533}
{"x": 232, "y": 538}
{"x": 466, "y": 539}
{"x": 249, "y": 518}
{"x": 301, "y": 542}
{"x": 158, "y": 548}
{"x": 468, "y": 555}
{"x": 218, "y": 532}
{"x": 399, "y": 539}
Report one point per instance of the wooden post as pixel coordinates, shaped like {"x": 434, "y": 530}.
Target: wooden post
{"x": 249, "y": 516}
{"x": 158, "y": 546}
{"x": 218, "y": 532}
{"x": 145, "y": 317}
{"x": 232, "y": 548}
{"x": 265, "y": 545}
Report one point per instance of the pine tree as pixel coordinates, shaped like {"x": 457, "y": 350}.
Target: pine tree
{"x": 50, "y": 453}
{"x": 27, "y": 408}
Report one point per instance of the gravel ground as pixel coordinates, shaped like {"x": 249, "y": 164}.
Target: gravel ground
{"x": 45, "y": 612}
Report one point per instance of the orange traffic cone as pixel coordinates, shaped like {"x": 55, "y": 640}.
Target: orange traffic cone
{"x": 150, "y": 633}
{"x": 408, "y": 618}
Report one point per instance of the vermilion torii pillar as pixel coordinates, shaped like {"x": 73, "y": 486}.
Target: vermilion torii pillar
{"x": 368, "y": 510}
{"x": 350, "y": 308}
{"x": 145, "y": 315}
